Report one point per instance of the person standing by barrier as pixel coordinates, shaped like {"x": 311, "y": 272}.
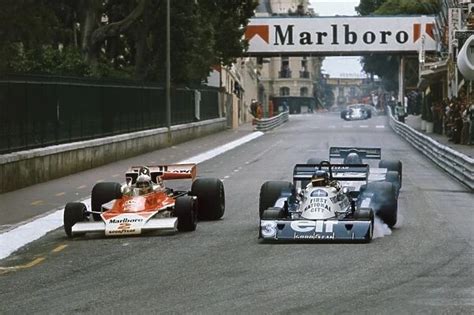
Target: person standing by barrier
{"x": 400, "y": 112}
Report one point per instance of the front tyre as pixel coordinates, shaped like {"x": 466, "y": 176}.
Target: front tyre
{"x": 274, "y": 213}
{"x": 211, "y": 197}
{"x": 73, "y": 212}
{"x": 270, "y": 192}
{"x": 103, "y": 193}
{"x": 185, "y": 209}
{"x": 383, "y": 200}
{"x": 366, "y": 215}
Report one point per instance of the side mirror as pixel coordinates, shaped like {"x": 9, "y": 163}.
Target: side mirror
{"x": 128, "y": 180}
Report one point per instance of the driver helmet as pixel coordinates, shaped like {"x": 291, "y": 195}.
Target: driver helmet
{"x": 320, "y": 178}
{"x": 353, "y": 158}
{"x": 144, "y": 184}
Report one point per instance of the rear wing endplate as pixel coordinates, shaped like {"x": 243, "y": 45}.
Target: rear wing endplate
{"x": 364, "y": 153}
{"x": 166, "y": 172}
{"x": 341, "y": 172}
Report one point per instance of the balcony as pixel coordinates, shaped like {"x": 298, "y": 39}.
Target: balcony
{"x": 285, "y": 73}
{"x": 304, "y": 74}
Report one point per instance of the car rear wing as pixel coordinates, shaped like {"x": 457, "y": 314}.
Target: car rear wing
{"x": 166, "y": 172}
{"x": 364, "y": 153}
{"x": 341, "y": 172}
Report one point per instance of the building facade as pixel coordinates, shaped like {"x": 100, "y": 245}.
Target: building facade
{"x": 287, "y": 76}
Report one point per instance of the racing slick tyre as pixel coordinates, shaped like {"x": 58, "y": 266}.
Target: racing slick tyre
{"x": 185, "y": 209}
{"x": 273, "y": 213}
{"x": 103, "y": 193}
{"x": 73, "y": 212}
{"x": 211, "y": 198}
{"x": 369, "y": 114}
{"x": 271, "y": 191}
{"x": 392, "y": 165}
{"x": 365, "y": 215}
{"x": 383, "y": 200}
{"x": 394, "y": 178}
{"x": 343, "y": 114}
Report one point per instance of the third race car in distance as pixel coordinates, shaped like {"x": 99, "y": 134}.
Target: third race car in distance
{"x": 357, "y": 112}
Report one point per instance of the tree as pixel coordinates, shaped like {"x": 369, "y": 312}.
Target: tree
{"x": 122, "y": 38}
{"x": 367, "y": 7}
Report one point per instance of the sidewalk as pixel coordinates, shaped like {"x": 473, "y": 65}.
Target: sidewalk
{"x": 415, "y": 122}
{"x": 19, "y": 206}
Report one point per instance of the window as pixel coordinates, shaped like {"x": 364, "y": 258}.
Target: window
{"x": 304, "y": 91}
{"x": 285, "y": 71}
{"x": 284, "y": 91}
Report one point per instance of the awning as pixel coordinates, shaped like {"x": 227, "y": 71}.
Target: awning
{"x": 432, "y": 71}
{"x": 434, "y": 68}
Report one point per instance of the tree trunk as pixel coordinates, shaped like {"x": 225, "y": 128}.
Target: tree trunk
{"x": 116, "y": 28}
{"x": 89, "y": 22}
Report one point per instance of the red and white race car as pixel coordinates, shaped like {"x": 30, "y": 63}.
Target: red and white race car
{"x": 144, "y": 204}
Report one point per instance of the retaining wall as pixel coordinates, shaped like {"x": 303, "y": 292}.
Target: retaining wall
{"x": 25, "y": 168}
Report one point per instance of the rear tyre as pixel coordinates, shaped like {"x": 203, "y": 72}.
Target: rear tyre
{"x": 392, "y": 165}
{"x": 270, "y": 192}
{"x": 394, "y": 178}
{"x": 185, "y": 209}
{"x": 73, "y": 212}
{"x": 211, "y": 197}
{"x": 103, "y": 193}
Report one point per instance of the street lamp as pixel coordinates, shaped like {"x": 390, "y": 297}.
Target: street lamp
{"x": 168, "y": 71}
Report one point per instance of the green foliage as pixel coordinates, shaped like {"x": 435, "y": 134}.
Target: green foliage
{"x": 48, "y": 60}
{"x": 367, "y": 7}
{"x": 399, "y": 7}
{"x": 128, "y": 43}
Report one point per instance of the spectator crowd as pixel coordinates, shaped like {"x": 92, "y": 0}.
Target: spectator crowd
{"x": 454, "y": 118}
{"x": 451, "y": 117}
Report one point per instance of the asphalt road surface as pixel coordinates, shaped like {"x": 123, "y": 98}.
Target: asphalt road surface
{"x": 424, "y": 266}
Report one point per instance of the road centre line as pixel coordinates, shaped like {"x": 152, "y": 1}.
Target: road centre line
{"x": 36, "y": 261}
{"x": 18, "y": 237}
{"x": 59, "y": 248}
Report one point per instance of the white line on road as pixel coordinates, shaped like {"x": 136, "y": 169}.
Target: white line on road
{"x": 364, "y": 126}
{"x": 14, "y": 239}
{"x": 380, "y": 126}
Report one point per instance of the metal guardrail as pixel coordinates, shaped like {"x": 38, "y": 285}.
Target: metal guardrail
{"x": 265, "y": 124}
{"x": 456, "y": 164}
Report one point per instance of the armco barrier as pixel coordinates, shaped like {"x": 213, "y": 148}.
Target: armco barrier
{"x": 457, "y": 164}
{"x": 266, "y": 124}
{"x": 21, "y": 169}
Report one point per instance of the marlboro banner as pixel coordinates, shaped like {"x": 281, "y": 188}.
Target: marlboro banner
{"x": 340, "y": 35}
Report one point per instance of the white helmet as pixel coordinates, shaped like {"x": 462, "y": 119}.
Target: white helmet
{"x": 144, "y": 184}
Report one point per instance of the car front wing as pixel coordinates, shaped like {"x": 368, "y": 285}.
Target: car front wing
{"x": 161, "y": 224}
{"x": 332, "y": 230}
